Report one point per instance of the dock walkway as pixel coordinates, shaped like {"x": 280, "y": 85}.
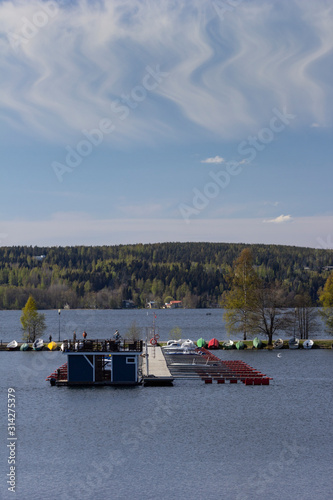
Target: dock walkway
{"x": 157, "y": 364}
{"x": 158, "y": 371}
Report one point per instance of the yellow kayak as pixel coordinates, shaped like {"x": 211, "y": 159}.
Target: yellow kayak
{"x": 52, "y": 346}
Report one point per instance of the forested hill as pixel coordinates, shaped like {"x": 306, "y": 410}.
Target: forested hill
{"x": 105, "y": 276}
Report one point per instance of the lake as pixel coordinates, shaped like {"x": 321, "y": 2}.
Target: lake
{"x": 192, "y": 440}
{"x": 194, "y": 323}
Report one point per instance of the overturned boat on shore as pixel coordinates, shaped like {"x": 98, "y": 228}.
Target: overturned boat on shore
{"x": 213, "y": 344}
{"x": 12, "y": 345}
{"x": 228, "y": 344}
{"x": 278, "y": 344}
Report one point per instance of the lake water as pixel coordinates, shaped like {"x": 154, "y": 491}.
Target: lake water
{"x": 192, "y": 440}
{"x": 194, "y": 323}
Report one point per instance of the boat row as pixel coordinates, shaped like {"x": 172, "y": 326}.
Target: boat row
{"x": 188, "y": 346}
{"x": 294, "y": 343}
{"x": 37, "y": 345}
{"x": 181, "y": 346}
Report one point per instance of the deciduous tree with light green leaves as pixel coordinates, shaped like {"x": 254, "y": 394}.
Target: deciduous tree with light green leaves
{"x": 326, "y": 300}
{"x": 33, "y": 323}
{"x": 134, "y": 332}
{"x": 240, "y": 301}
{"x": 175, "y": 333}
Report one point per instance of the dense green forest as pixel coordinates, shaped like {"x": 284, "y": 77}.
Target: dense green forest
{"x": 106, "y": 276}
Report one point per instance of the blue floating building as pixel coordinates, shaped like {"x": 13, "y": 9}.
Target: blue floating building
{"x": 96, "y": 362}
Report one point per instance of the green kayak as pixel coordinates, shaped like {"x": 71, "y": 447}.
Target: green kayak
{"x": 24, "y": 347}
{"x": 201, "y": 343}
{"x": 240, "y": 345}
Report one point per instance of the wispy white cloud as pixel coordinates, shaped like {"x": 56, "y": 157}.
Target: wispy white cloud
{"x": 224, "y": 76}
{"x": 215, "y": 159}
{"x": 281, "y": 219}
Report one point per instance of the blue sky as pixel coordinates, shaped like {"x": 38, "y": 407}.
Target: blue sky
{"x": 140, "y": 121}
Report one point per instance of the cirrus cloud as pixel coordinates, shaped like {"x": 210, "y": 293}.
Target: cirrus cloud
{"x": 225, "y": 77}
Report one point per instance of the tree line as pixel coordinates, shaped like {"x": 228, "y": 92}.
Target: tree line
{"x": 198, "y": 274}
{"x": 255, "y": 306}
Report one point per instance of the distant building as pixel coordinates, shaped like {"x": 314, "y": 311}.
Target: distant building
{"x": 39, "y": 257}
{"x": 152, "y": 304}
{"x": 128, "y": 304}
{"x": 328, "y": 268}
{"x": 173, "y": 304}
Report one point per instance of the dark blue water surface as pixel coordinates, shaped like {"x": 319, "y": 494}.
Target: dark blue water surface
{"x": 191, "y": 441}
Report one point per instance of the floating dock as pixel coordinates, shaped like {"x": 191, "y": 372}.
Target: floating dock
{"x": 206, "y": 366}
{"x": 96, "y": 362}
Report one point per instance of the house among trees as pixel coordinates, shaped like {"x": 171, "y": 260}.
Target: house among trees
{"x": 128, "y": 304}
{"x": 173, "y": 304}
{"x": 153, "y": 304}
{"x": 39, "y": 257}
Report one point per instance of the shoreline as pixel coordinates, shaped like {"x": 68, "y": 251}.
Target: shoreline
{"x": 318, "y": 344}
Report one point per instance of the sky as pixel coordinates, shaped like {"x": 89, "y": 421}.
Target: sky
{"x": 143, "y": 121}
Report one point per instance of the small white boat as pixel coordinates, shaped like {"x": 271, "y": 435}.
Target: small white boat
{"x": 78, "y": 346}
{"x": 66, "y": 345}
{"x": 12, "y": 345}
{"x": 228, "y": 344}
{"x": 188, "y": 344}
{"x": 180, "y": 347}
{"x": 278, "y": 344}
{"x": 307, "y": 344}
{"x": 38, "y": 345}
{"x": 173, "y": 342}
{"x": 294, "y": 343}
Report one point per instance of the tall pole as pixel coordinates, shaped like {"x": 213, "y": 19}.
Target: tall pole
{"x": 59, "y": 313}
{"x": 147, "y": 364}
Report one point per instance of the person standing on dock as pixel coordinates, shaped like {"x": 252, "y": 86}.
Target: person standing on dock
{"x": 117, "y": 338}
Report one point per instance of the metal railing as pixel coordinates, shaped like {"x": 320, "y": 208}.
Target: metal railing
{"x": 104, "y": 345}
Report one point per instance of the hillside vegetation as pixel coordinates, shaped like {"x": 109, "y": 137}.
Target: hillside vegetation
{"x": 105, "y": 276}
